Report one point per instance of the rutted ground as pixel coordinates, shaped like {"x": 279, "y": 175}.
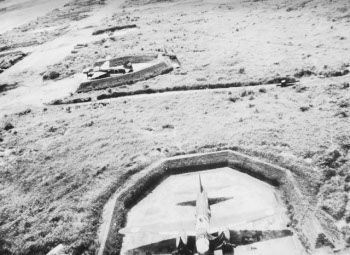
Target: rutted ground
{"x": 59, "y": 165}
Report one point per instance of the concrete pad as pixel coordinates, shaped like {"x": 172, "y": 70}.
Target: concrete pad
{"x": 282, "y": 246}
{"x": 255, "y": 205}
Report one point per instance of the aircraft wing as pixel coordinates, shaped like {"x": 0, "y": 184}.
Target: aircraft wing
{"x": 106, "y": 65}
{"x": 244, "y": 237}
{"x": 165, "y": 228}
{"x": 233, "y": 221}
{"x": 163, "y": 247}
{"x": 97, "y": 75}
{"x": 239, "y": 220}
{"x": 212, "y": 201}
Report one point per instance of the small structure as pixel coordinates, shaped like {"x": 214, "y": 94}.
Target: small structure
{"x": 125, "y": 70}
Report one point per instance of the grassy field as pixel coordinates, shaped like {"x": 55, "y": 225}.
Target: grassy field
{"x": 59, "y": 165}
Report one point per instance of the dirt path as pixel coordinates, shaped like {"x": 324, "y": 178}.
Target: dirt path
{"x": 34, "y": 91}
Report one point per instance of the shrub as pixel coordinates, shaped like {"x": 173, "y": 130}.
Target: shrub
{"x": 233, "y": 99}
{"x": 304, "y": 108}
{"x": 241, "y": 70}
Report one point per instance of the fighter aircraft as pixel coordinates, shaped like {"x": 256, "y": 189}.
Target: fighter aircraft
{"x": 203, "y": 241}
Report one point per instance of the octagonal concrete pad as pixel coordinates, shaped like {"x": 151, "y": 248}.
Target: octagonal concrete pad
{"x": 255, "y": 205}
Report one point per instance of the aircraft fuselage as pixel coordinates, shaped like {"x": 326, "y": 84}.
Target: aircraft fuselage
{"x": 203, "y": 215}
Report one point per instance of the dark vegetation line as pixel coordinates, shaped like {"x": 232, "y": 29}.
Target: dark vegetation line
{"x": 307, "y": 73}
{"x": 6, "y": 87}
{"x": 282, "y": 81}
{"x": 276, "y": 81}
{"x": 11, "y": 53}
{"x": 195, "y": 87}
{"x": 112, "y": 29}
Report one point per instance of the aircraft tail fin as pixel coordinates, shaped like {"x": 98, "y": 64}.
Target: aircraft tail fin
{"x": 200, "y": 184}
{"x": 106, "y": 65}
